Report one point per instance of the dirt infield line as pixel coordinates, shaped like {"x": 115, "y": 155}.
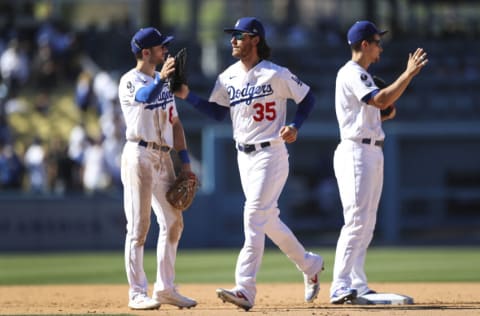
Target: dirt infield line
{"x": 445, "y": 299}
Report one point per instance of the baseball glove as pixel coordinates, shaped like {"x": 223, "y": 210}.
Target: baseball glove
{"x": 179, "y": 77}
{"x": 181, "y": 193}
{"x": 379, "y": 82}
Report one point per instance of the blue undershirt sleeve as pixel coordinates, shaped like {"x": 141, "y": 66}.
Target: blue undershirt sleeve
{"x": 211, "y": 109}
{"x": 303, "y": 110}
{"x": 370, "y": 96}
{"x": 151, "y": 92}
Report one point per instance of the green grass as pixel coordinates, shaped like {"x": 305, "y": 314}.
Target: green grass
{"x": 217, "y": 266}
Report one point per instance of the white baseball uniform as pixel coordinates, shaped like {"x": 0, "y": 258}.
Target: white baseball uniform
{"x": 257, "y": 100}
{"x": 147, "y": 172}
{"x": 358, "y": 164}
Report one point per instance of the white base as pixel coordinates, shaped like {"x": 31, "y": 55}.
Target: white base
{"x": 383, "y": 299}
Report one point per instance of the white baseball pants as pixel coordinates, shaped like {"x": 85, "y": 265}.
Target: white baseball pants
{"x": 146, "y": 176}
{"x": 263, "y": 174}
{"x": 359, "y": 172}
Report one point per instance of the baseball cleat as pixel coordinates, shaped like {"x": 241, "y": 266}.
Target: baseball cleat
{"x": 143, "y": 302}
{"x": 172, "y": 297}
{"x": 368, "y": 291}
{"x": 343, "y": 295}
{"x": 235, "y": 297}
{"x": 312, "y": 285}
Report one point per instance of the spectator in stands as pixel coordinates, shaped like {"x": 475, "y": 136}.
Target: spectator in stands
{"x": 60, "y": 168}
{"x": 14, "y": 67}
{"x": 44, "y": 68}
{"x": 36, "y": 169}
{"x": 105, "y": 89}
{"x": 5, "y": 136}
{"x": 95, "y": 177}
{"x": 77, "y": 143}
{"x": 42, "y": 103}
{"x": 54, "y": 33}
{"x": 84, "y": 96}
{"x": 113, "y": 146}
{"x": 76, "y": 151}
{"x": 11, "y": 168}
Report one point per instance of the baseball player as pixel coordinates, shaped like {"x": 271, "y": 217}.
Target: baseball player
{"x": 358, "y": 159}
{"x": 255, "y": 91}
{"x": 153, "y": 128}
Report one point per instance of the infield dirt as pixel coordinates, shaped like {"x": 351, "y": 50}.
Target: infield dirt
{"x": 444, "y": 299}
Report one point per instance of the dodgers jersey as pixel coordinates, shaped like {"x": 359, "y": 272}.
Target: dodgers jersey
{"x": 257, "y": 99}
{"x": 356, "y": 118}
{"x": 143, "y": 119}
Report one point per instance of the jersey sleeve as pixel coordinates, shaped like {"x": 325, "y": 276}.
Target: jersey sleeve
{"x": 363, "y": 86}
{"x": 219, "y": 94}
{"x": 292, "y": 87}
{"x": 126, "y": 91}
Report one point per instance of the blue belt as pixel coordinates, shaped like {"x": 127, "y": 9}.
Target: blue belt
{"x": 154, "y": 146}
{"x": 248, "y": 148}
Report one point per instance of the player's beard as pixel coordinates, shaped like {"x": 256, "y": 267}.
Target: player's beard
{"x": 242, "y": 51}
{"x": 236, "y": 52}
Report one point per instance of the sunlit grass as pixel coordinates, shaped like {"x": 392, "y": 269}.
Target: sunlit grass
{"x": 218, "y": 266}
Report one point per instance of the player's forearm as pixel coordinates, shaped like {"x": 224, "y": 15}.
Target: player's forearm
{"x": 180, "y": 144}
{"x": 179, "y": 141}
{"x": 211, "y": 109}
{"x": 392, "y": 93}
{"x": 149, "y": 93}
{"x": 303, "y": 110}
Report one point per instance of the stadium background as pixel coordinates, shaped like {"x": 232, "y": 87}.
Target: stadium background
{"x": 65, "y": 102}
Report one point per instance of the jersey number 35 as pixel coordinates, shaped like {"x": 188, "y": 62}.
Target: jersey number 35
{"x": 264, "y": 111}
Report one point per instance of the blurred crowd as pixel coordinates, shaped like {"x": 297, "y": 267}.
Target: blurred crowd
{"x": 43, "y": 57}
{"x": 34, "y": 65}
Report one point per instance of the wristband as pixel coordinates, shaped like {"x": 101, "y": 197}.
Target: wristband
{"x": 183, "y": 155}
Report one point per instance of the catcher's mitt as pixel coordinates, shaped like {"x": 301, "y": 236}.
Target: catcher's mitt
{"x": 181, "y": 193}
{"x": 379, "y": 82}
{"x": 179, "y": 77}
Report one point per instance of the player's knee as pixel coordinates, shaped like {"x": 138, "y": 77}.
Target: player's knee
{"x": 175, "y": 231}
{"x": 137, "y": 241}
{"x": 138, "y": 236}
{"x": 253, "y": 246}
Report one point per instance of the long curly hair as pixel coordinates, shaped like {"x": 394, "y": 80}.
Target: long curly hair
{"x": 264, "y": 51}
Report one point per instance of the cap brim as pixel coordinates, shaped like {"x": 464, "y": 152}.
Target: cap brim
{"x": 382, "y": 33}
{"x": 167, "y": 40}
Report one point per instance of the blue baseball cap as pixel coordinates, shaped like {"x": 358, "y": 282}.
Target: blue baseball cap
{"x": 249, "y": 25}
{"x": 362, "y": 30}
{"x": 148, "y": 37}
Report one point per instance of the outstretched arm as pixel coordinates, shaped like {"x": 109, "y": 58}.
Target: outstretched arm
{"x": 390, "y": 94}
{"x": 211, "y": 109}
